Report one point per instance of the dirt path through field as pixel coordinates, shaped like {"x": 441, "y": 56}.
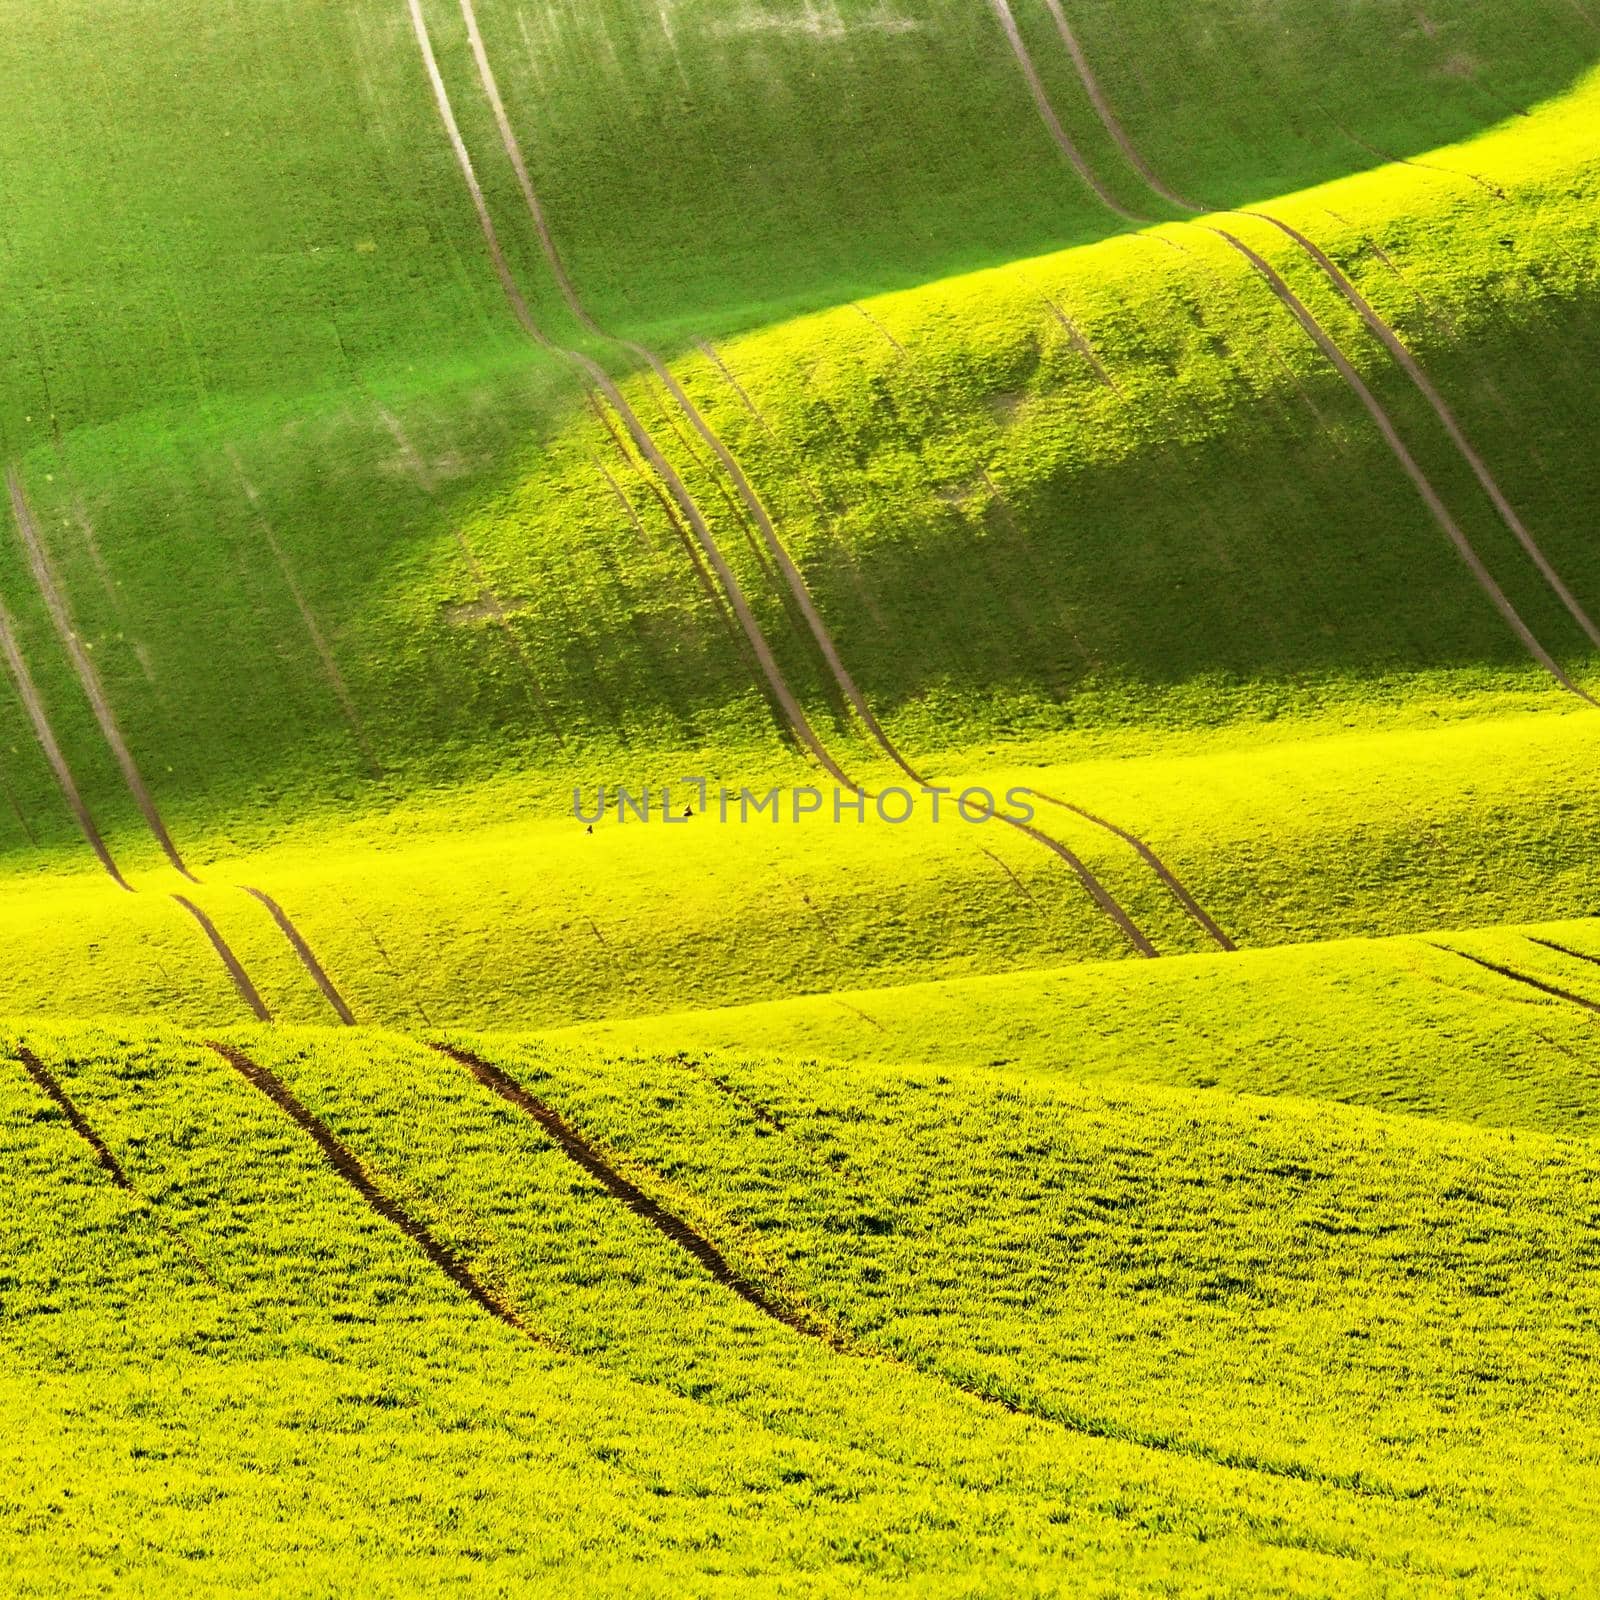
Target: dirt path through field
{"x": 28, "y": 693}
{"x": 754, "y": 505}
{"x": 79, "y": 1123}
{"x": 1108, "y": 118}
{"x": 1409, "y": 364}
{"x": 348, "y": 1166}
{"x": 241, "y": 978}
{"x": 1553, "y": 990}
{"x": 1391, "y": 436}
{"x": 596, "y": 378}
{"x": 1564, "y": 950}
{"x": 88, "y": 674}
{"x": 303, "y": 950}
{"x": 670, "y": 1226}
{"x": 599, "y": 380}
{"x": 1192, "y": 907}
{"x": 1047, "y": 115}
{"x": 1386, "y": 334}
{"x": 308, "y": 619}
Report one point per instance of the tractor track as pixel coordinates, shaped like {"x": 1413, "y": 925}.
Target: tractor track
{"x": 1563, "y": 950}
{"x": 85, "y": 1130}
{"x": 777, "y": 550}
{"x": 1538, "y": 984}
{"x": 599, "y": 380}
{"x": 1192, "y": 907}
{"x": 44, "y": 733}
{"x": 844, "y": 1341}
{"x": 241, "y": 979}
{"x": 87, "y": 673}
{"x": 582, "y": 1153}
{"x": 1397, "y": 446}
{"x": 596, "y": 379}
{"x": 349, "y": 1167}
{"x": 79, "y": 1123}
{"x": 89, "y": 680}
{"x": 303, "y": 950}
{"x": 1378, "y": 326}
{"x": 308, "y": 619}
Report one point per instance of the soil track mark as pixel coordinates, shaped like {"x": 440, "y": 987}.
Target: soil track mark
{"x": 592, "y": 1161}
{"x": 756, "y": 508}
{"x": 1381, "y": 329}
{"x": 597, "y": 379}
{"x": 28, "y": 693}
{"x": 50, "y": 591}
{"x": 348, "y": 1166}
{"x": 1047, "y": 115}
{"x": 308, "y": 959}
{"x": 1412, "y": 368}
{"x": 1192, "y": 907}
{"x": 1420, "y": 480}
{"x": 1079, "y": 343}
{"x": 1108, "y": 118}
{"x": 241, "y": 979}
{"x": 80, "y": 1124}
{"x": 89, "y": 680}
{"x": 1551, "y": 989}
{"x": 1564, "y": 950}
{"x": 669, "y": 1225}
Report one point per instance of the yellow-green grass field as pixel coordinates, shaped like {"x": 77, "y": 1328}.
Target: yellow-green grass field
{"x": 419, "y": 417}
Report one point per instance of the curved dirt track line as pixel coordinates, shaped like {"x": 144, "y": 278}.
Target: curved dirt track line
{"x": 79, "y": 1123}
{"x": 1192, "y": 907}
{"x": 736, "y": 474}
{"x": 241, "y": 978}
{"x": 1098, "y": 892}
{"x": 1420, "y": 480}
{"x": 1564, "y": 950}
{"x": 88, "y": 674}
{"x": 89, "y": 680}
{"x": 591, "y": 1160}
{"x": 671, "y": 1227}
{"x": 1551, "y": 989}
{"x": 1413, "y": 369}
{"x": 1047, "y": 114}
{"x": 308, "y": 960}
{"x": 348, "y": 1166}
{"x": 1108, "y": 118}
{"x": 598, "y": 379}
{"x": 813, "y": 493}
{"x": 1385, "y": 333}
{"x": 28, "y": 693}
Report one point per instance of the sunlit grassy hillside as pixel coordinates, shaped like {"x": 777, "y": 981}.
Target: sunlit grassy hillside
{"x": 733, "y": 1325}
{"x": 351, "y": 531}
{"x": 425, "y": 424}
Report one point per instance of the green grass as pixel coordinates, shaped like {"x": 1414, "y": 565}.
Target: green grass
{"x": 330, "y": 1401}
{"x": 1247, "y": 1273}
{"x": 1402, "y": 1025}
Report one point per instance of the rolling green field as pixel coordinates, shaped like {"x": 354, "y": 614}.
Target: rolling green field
{"x": 428, "y": 424}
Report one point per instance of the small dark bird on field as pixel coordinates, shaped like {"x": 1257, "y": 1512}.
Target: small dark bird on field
{"x": 688, "y": 811}
{"x": 590, "y": 828}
